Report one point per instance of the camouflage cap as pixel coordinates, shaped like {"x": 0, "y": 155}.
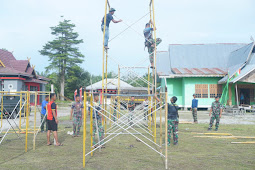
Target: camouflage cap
{"x": 112, "y": 10}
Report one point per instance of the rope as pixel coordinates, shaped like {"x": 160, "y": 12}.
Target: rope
{"x": 129, "y": 26}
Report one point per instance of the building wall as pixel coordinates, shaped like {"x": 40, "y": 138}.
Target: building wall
{"x": 184, "y": 88}
{"x": 174, "y": 87}
{"x": 17, "y": 85}
{"x": 189, "y": 88}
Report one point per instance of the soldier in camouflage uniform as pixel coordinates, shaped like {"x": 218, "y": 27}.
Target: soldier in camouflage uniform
{"x": 172, "y": 120}
{"x": 97, "y": 122}
{"x": 216, "y": 112}
{"x": 115, "y": 109}
{"x": 76, "y": 115}
{"x": 150, "y": 42}
{"x": 131, "y": 108}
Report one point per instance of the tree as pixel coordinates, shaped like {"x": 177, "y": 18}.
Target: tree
{"x": 63, "y": 52}
{"x": 75, "y": 79}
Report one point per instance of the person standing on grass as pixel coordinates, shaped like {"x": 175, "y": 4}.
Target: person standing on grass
{"x": 77, "y": 115}
{"x": 131, "y": 108}
{"x": 172, "y": 120}
{"x": 52, "y": 120}
{"x": 43, "y": 113}
{"x": 194, "y": 108}
{"x": 97, "y": 122}
{"x": 109, "y": 18}
{"x": 215, "y": 113}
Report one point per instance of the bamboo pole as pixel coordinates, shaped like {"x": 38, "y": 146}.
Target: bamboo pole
{"x": 155, "y": 120}
{"x": 155, "y": 48}
{"x": 2, "y": 109}
{"x": 27, "y": 119}
{"x": 91, "y": 123}
{"x": 84, "y": 127}
{"x": 105, "y": 119}
{"x": 20, "y": 110}
{"x": 166, "y": 126}
{"x": 35, "y": 121}
{"x": 160, "y": 120}
{"x": 118, "y": 116}
{"x": 149, "y": 97}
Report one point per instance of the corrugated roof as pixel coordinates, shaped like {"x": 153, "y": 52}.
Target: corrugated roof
{"x": 195, "y": 59}
{"x": 245, "y": 71}
{"x": 201, "y": 55}
{"x": 239, "y": 59}
{"x": 200, "y": 71}
{"x": 239, "y": 56}
{"x": 163, "y": 63}
{"x": 111, "y": 84}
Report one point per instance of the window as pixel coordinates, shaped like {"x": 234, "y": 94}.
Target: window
{"x": 201, "y": 90}
{"x": 215, "y": 90}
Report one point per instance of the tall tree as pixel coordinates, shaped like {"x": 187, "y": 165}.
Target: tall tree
{"x": 63, "y": 52}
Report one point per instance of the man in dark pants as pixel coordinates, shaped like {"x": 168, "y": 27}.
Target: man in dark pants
{"x": 194, "y": 108}
{"x": 43, "y": 113}
{"x": 52, "y": 120}
{"x": 109, "y": 18}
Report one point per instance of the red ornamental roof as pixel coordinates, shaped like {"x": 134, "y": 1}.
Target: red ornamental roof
{"x": 199, "y": 71}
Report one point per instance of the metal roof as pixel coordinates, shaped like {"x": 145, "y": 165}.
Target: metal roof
{"x": 200, "y": 71}
{"x": 248, "y": 68}
{"x": 196, "y": 59}
{"x": 239, "y": 59}
{"x": 111, "y": 84}
{"x": 201, "y": 55}
{"x": 163, "y": 63}
{"x": 239, "y": 56}
{"x": 245, "y": 71}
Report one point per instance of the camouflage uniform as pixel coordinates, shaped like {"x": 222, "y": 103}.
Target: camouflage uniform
{"x": 173, "y": 121}
{"x": 173, "y": 126}
{"x": 98, "y": 118}
{"x": 131, "y": 112}
{"x": 114, "y": 112}
{"x": 216, "y": 107}
{"x": 152, "y": 49}
{"x": 194, "y": 113}
{"x": 77, "y": 117}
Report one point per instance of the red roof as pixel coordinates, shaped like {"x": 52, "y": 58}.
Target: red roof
{"x": 200, "y": 71}
{"x": 6, "y": 57}
{"x": 19, "y": 65}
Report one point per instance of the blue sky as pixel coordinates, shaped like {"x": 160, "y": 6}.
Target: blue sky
{"x": 25, "y": 27}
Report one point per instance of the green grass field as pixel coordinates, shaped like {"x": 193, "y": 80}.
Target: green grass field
{"x": 191, "y": 153}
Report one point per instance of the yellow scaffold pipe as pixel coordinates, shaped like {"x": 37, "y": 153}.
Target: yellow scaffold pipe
{"x": 84, "y": 126}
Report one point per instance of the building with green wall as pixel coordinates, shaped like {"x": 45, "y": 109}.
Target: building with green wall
{"x": 204, "y": 70}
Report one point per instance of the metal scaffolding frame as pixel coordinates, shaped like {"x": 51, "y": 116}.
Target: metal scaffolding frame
{"x": 26, "y": 96}
{"x": 115, "y": 115}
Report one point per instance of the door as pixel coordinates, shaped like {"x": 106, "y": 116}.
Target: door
{"x": 245, "y": 96}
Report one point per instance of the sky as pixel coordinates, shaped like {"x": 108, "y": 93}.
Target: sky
{"x": 25, "y": 27}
